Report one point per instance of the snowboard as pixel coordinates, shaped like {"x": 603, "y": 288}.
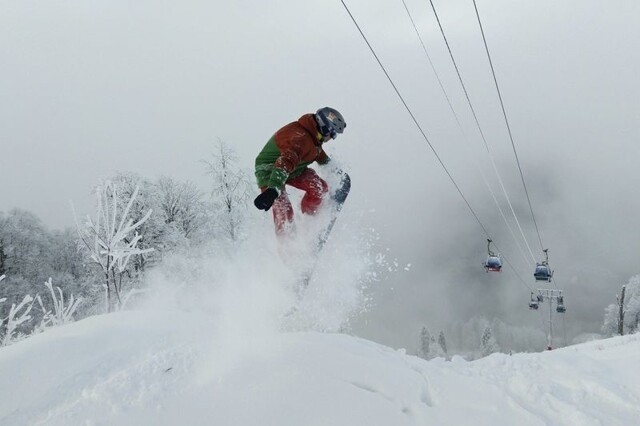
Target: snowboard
{"x": 338, "y": 198}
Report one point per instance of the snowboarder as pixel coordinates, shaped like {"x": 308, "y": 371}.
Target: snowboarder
{"x": 284, "y": 160}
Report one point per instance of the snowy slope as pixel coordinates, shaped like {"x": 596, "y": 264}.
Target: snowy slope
{"x": 166, "y": 368}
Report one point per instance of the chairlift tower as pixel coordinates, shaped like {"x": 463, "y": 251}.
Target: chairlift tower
{"x": 552, "y": 296}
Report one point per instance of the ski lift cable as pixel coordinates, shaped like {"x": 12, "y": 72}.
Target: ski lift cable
{"x": 464, "y": 135}
{"x": 515, "y": 271}
{"x": 424, "y": 135}
{"x": 484, "y": 140}
{"x": 426, "y": 138}
{"x": 504, "y": 217}
{"x": 504, "y": 113}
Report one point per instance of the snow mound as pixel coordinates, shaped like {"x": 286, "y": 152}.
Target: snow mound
{"x": 167, "y": 368}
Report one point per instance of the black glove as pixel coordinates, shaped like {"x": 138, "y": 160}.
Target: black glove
{"x": 265, "y": 200}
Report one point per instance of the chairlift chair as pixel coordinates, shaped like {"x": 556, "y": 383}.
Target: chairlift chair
{"x": 560, "y": 306}
{"x": 534, "y": 302}
{"x": 493, "y": 262}
{"x": 543, "y": 272}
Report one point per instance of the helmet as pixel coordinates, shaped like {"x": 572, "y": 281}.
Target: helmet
{"x": 330, "y": 122}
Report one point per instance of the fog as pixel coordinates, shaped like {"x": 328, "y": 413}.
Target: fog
{"x": 90, "y": 88}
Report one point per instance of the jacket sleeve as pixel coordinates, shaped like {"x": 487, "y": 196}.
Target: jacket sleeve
{"x": 286, "y": 163}
{"x": 323, "y": 158}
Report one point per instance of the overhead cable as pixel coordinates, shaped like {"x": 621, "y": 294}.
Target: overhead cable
{"x": 466, "y": 93}
{"x": 422, "y": 132}
{"x": 424, "y": 135}
{"x": 506, "y": 120}
{"x": 464, "y": 135}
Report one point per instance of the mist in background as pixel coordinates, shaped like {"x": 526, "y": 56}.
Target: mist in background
{"x": 89, "y": 88}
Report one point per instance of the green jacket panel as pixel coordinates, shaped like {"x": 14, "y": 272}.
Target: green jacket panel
{"x": 288, "y": 152}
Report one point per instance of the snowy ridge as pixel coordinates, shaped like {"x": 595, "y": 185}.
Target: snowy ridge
{"x": 153, "y": 368}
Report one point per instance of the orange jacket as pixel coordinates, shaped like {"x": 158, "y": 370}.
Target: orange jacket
{"x": 289, "y": 151}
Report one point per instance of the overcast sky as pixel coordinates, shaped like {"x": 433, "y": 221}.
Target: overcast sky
{"x": 89, "y": 88}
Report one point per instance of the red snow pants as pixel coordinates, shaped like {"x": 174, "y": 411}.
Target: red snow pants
{"x": 314, "y": 187}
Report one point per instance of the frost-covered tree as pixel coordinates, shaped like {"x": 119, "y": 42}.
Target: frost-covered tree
{"x": 111, "y": 239}
{"x": 230, "y": 190}
{"x": 26, "y": 246}
{"x": 18, "y": 314}
{"x": 28, "y": 256}
{"x": 3, "y": 257}
{"x": 181, "y": 208}
{"x": 68, "y": 261}
{"x": 179, "y": 216}
{"x": 631, "y": 306}
{"x": 152, "y": 229}
{"x": 436, "y": 349}
{"x": 16, "y": 325}
{"x": 632, "y": 318}
{"x": 612, "y": 323}
{"x": 442, "y": 342}
{"x": 428, "y": 347}
{"x": 424, "y": 344}
{"x": 623, "y": 317}
{"x": 488, "y": 343}
{"x": 62, "y": 312}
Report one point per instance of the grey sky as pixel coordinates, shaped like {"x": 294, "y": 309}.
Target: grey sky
{"x": 89, "y": 88}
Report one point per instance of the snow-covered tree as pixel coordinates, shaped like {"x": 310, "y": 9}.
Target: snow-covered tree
{"x": 111, "y": 239}
{"x": 3, "y": 257}
{"x": 488, "y": 343}
{"x": 179, "y": 215}
{"x": 424, "y": 344}
{"x": 18, "y": 314}
{"x": 181, "y": 207}
{"x": 623, "y": 317}
{"x": 230, "y": 189}
{"x": 28, "y": 255}
{"x": 436, "y": 349}
{"x": 632, "y": 305}
{"x": 442, "y": 342}
{"x": 428, "y": 347}
{"x": 16, "y": 325}
{"x": 26, "y": 246}
{"x": 62, "y": 313}
{"x": 611, "y": 320}
{"x": 3, "y": 299}
{"x": 152, "y": 230}
{"x": 68, "y": 261}
{"x": 632, "y": 318}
